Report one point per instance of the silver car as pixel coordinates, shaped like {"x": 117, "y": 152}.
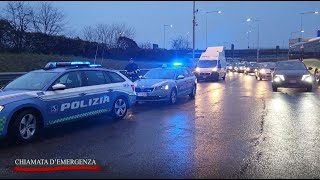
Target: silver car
{"x": 166, "y": 84}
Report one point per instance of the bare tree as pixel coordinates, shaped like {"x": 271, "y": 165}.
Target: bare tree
{"x": 146, "y": 45}
{"x": 180, "y": 43}
{"x": 89, "y": 34}
{"x": 48, "y": 19}
{"x": 19, "y": 14}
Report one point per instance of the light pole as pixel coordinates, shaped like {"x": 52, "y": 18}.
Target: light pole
{"x": 301, "y": 28}
{"x": 219, "y": 12}
{"x": 193, "y": 28}
{"x": 258, "y": 46}
{"x": 302, "y": 31}
{"x": 164, "y": 34}
{"x": 248, "y": 37}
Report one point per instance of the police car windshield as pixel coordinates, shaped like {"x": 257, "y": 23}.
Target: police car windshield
{"x": 31, "y": 81}
{"x": 291, "y": 66}
{"x": 160, "y": 74}
{"x": 207, "y": 63}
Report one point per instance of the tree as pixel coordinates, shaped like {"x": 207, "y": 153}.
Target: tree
{"x": 180, "y": 43}
{"x": 89, "y": 34}
{"x": 126, "y": 43}
{"x": 146, "y": 45}
{"x": 48, "y": 19}
{"x": 19, "y": 14}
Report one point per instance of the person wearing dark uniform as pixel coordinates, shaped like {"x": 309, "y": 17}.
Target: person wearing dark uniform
{"x": 132, "y": 70}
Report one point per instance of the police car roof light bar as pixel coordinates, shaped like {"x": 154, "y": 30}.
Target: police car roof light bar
{"x": 52, "y": 65}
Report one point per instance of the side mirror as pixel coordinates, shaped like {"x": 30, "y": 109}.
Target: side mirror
{"x": 180, "y": 77}
{"x": 310, "y": 68}
{"x": 59, "y": 87}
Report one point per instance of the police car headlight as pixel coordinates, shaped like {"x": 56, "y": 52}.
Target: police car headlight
{"x": 197, "y": 69}
{"x": 163, "y": 87}
{"x": 307, "y": 78}
{"x": 214, "y": 69}
{"x": 1, "y": 108}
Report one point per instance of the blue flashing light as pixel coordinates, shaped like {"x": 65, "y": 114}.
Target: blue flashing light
{"x": 177, "y": 64}
{"x": 95, "y": 65}
{"x": 80, "y": 63}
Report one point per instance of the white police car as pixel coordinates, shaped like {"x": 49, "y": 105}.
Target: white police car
{"x": 166, "y": 84}
{"x": 62, "y": 92}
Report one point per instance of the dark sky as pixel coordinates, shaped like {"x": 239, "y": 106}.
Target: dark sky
{"x": 278, "y": 20}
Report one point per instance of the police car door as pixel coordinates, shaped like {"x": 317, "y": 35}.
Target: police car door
{"x": 181, "y": 83}
{"x": 189, "y": 80}
{"x": 62, "y": 105}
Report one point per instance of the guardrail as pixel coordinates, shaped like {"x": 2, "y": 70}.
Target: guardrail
{"x": 6, "y": 77}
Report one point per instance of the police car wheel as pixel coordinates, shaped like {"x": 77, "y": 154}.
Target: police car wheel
{"x": 119, "y": 110}
{"x": 25, "y": 127}
{"x": 173, "y": 97}
{"x": 194, "y": 91}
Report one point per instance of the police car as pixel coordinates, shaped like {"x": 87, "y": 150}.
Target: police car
{"x": 62, "y": 92}
{"x": 166, "y": 84}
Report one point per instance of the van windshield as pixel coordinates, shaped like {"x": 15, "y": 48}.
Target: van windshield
{"x": 207, "y": 63}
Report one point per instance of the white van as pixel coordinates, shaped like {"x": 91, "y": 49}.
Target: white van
{"x": 212, "y": 64}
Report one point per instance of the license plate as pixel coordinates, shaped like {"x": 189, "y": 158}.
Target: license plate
{"x": 292, "y": 81}
{"x": 142, "y": 94}
{"x": 204, "y": 76}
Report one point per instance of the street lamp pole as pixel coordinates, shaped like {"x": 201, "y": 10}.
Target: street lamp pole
{"x": 164, "y": 35}
{"x": 219, "y": 12}
{"x": 258, "y": 39}
{"x": 301, "y": 28}
{"x": 193, "y": 29}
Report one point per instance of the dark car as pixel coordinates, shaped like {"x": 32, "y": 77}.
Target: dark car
{"x": 241, "y": 67}
{"x": 292, "y": 74}
{"x": 250, "y": 68}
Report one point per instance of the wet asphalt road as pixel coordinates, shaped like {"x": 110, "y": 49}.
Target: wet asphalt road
{"x": 236, "y": 128}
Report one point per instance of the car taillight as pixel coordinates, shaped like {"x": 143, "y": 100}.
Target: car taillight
{"x": 133, "y": 88}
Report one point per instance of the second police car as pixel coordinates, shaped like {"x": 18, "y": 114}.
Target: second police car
{"x": 166, "y": 84}
{"x": 62, "y": 92}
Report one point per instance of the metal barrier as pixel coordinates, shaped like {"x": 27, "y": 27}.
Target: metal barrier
{"x": 10, "y": 76}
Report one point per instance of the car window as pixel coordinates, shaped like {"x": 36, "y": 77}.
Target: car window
{"x": 116, "y": 78}
{"x": 94, "y": 78}
{"x": 70, "y": 79}
{"x": 186, "y": 73}
{"x": 179, "y": 72}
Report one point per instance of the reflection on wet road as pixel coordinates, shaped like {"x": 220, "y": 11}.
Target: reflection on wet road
{"x": 236, "y": 128}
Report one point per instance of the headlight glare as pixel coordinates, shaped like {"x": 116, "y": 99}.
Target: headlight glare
{"x": 307, "y": 78}
{"x": 214, "y": 69}
{"x": 163, "y": 87}
{"x": 1, "y": 108}
{"x": 281, "y": 77}
{"x": 197, "y": 69}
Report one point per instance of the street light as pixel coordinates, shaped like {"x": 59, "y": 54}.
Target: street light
{"x": 301, "y": 28}
{"x": 258, "y": 47}
{"x": 302, "y": 31}
{"x": 164, "y": 34}
{"x": 219, "y": 12}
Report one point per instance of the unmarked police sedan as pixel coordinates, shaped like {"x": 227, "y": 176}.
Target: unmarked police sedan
{"x": 62, "y": 92}
{"x": 292, "y": 74}
{"x": 166, "y": 84}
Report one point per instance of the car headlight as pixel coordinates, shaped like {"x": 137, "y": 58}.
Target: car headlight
{"x": 278, "y": 78}
{"x": 1, "y": 108}
{"x": 262, "y": 71}
{"x": 307, "y": 78}
{"x": 214, "y": 69}
{"x": 163, "y": 87}
{"x": 197, "y": 69}
{"x": 248, "y": 69}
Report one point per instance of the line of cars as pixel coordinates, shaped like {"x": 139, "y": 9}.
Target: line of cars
{"x": 283, "y": 74}
{"x": 68, "y": 91}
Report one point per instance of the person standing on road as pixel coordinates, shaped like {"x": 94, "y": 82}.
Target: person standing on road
{"x": 132, "y": 70}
